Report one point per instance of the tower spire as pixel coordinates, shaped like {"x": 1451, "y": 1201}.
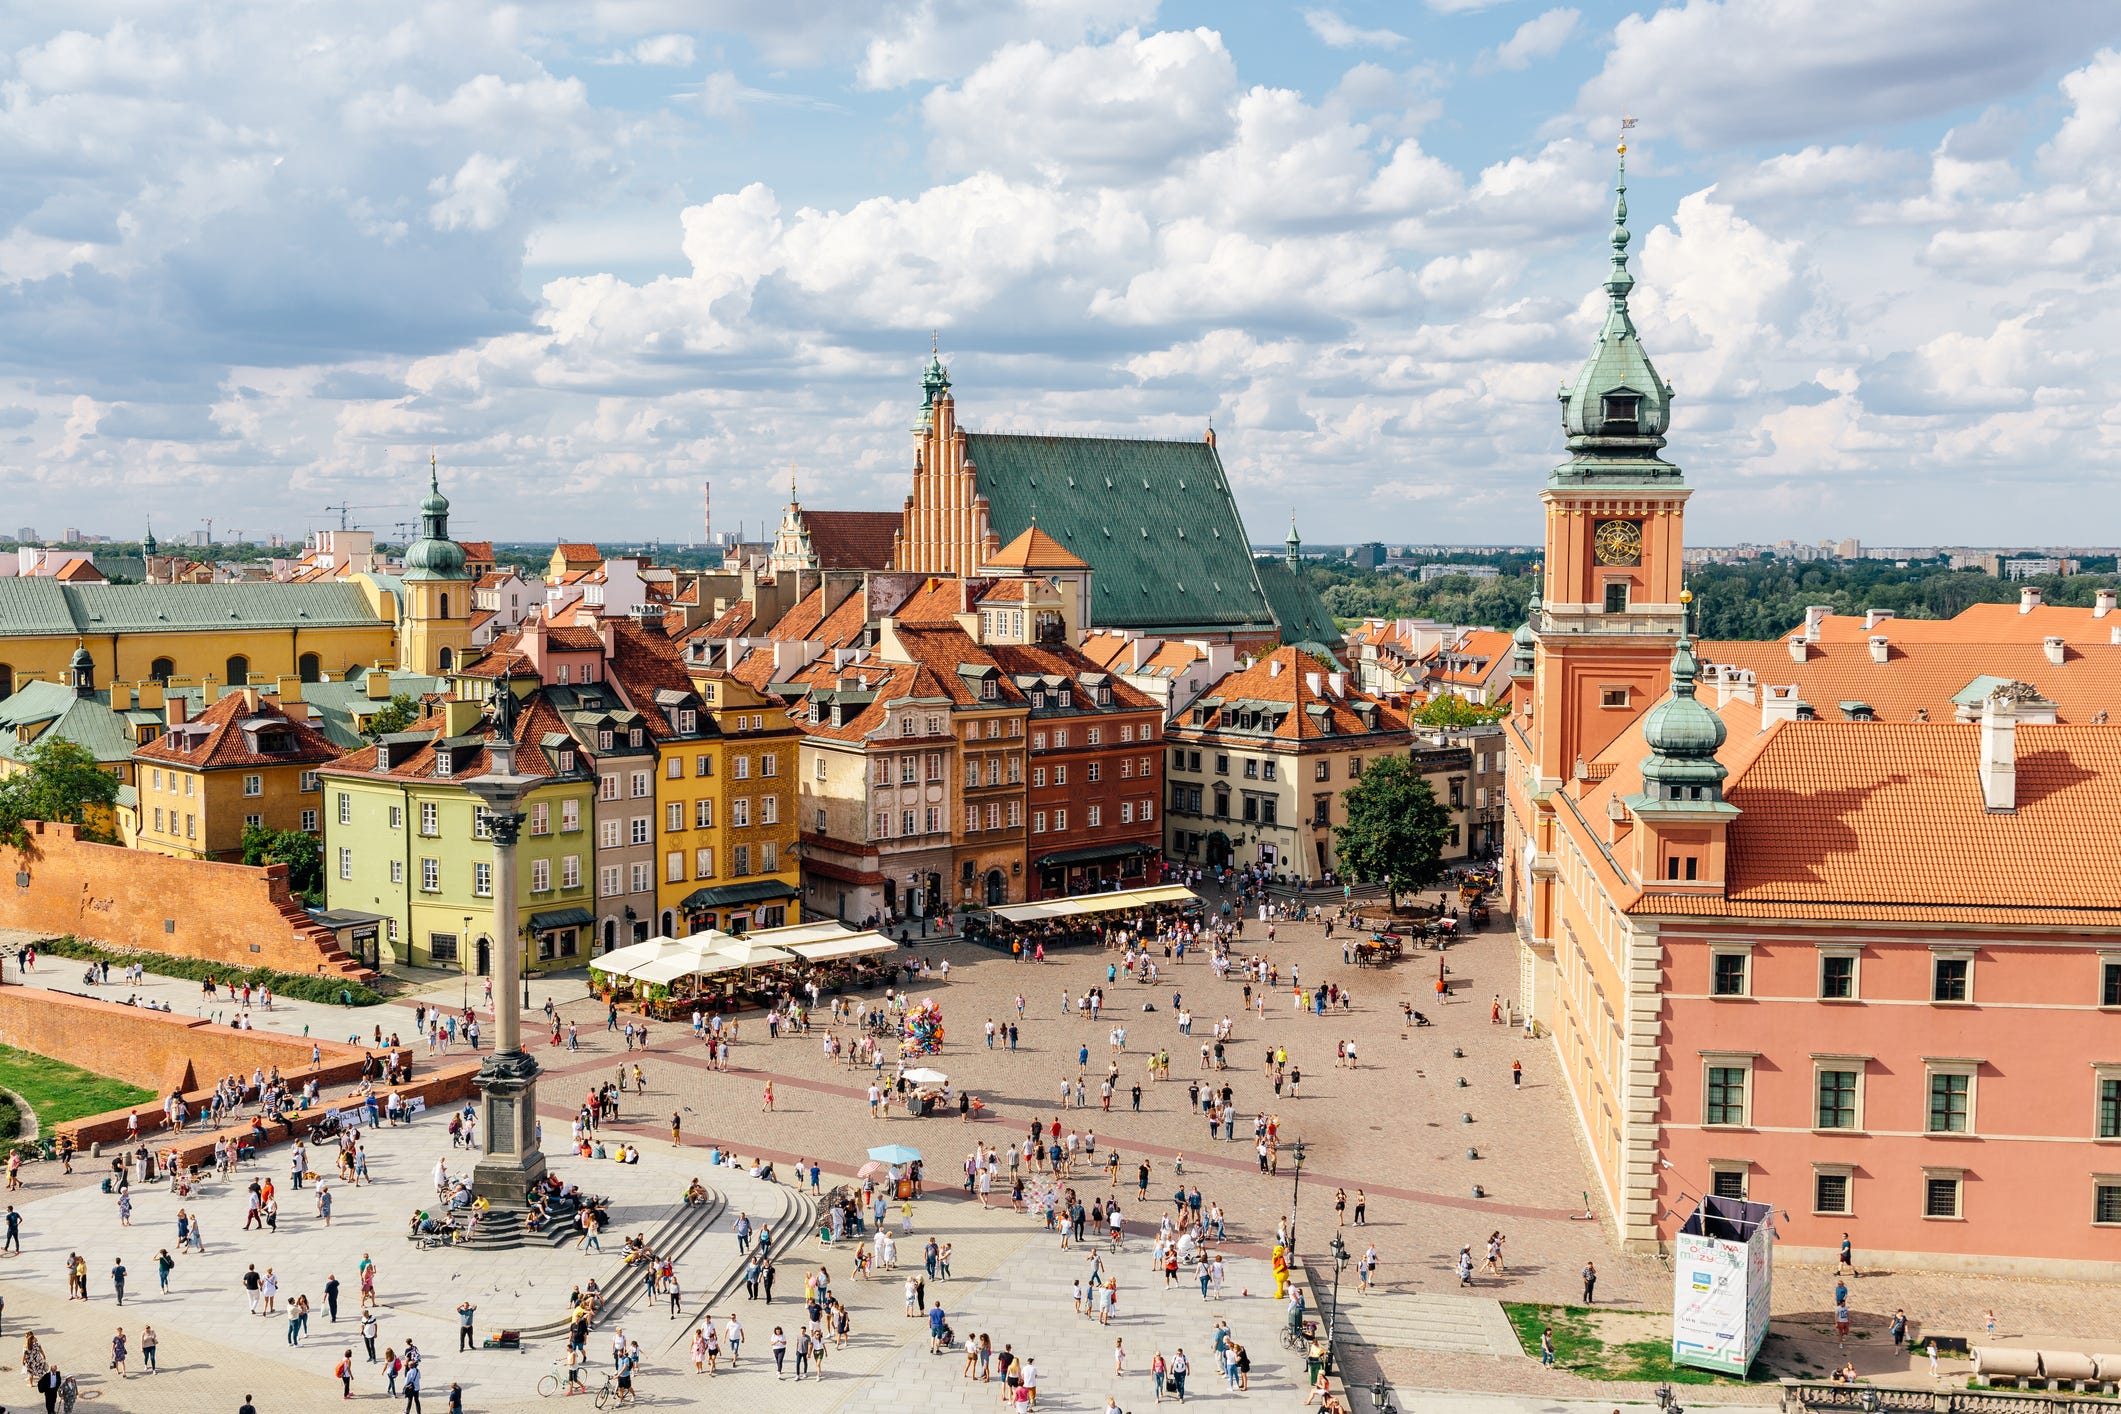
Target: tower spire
{"x": 1620, "y": 281}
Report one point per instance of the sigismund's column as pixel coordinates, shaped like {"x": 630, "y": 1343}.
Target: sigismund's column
{"x": 509, "y": 1160}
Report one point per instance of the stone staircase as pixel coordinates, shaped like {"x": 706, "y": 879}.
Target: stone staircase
{"x": 678, "y": 1235}
{"x": 793, "y": 1222}
{"x": 1415, "y": 1320}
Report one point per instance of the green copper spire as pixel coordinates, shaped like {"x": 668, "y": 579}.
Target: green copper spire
{"x": 935, "y": 381}
{"x": 434, "y": 555}
{"x": 1617, "y": 409}
{"x": 1683, "y": 736}
{"x": 148, "y": 547}
{"x": 1293, "y": 547}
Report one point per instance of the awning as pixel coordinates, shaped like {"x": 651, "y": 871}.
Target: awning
{"x": 1088, "y": 853}
{"x": 577, "y": 917}
{"x": 734, "y": 895}
{"x": 791, "y": 934}
{"x": 1092, "y": 903}
{"x": 852, "y": 945}
{"x": 670, "y": 969}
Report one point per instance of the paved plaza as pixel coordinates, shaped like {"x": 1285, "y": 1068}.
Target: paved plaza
{"x": 1390, "y": 1132}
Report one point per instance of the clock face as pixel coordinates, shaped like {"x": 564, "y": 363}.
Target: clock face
{"x": 1618, "y": 542}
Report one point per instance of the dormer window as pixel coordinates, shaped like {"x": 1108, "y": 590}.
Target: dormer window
{"x": 1623, "y": 412}
{"x": 445, "y": 764}
{"x": 604, "y": 741}
{"x": 633, "y": 736}
{"x": 566, "y": 763}
{"x": 1038, "y": 701}
{"x": 989, "y": 690}
{"x": 688, "y": 721}
{"x": 1067, "y": 698}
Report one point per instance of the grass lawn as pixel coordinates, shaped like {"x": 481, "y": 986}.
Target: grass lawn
{"x": 59, "y": 1092}
{"x": 1579, "y": 1349}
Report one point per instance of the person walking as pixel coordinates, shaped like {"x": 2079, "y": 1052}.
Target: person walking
{"x": 117, "y": 1278}
{"x": 412, "y": 1388}
{"x": 1546, "y": 1346}
{"x": 117, "y": 1354}
{"x": 1848, "y": 1258}
{"x": 148, "y": 1342}
{"x": 164, "y": 1265}
{"x": 1590, "y": 1282}
{"x": 1516, "y": 1075}
{"x": 331, "y": 1298}
{"x": 344, "y": 1372}
{"x": 368, "y": 1334}
{"x": 465, "y": 1311}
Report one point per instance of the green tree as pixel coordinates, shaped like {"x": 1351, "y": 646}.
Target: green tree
{"x": 61, "y": 783}
{"x": 1448, "y": 710}
{"x": 402, "y": 711}
{"x": 300, "y": 852}
{"x": 1396, "y": 828}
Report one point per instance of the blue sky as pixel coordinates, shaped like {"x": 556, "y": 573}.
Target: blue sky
{"x": 255, "y": 258}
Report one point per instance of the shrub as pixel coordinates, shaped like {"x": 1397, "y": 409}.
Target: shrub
{"x": 326, "y": 989}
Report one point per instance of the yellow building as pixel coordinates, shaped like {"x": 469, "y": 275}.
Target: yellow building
{"x": 247, "y": 759}
{"x": 434, "y": 632}
{"x": 727, "y": 799}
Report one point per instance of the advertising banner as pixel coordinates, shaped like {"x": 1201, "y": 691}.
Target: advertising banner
{"x": 1722, "y": 1267}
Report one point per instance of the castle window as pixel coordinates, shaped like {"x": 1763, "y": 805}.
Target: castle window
{"x": 1616, "y": 596}
{"x": 445, "y": 597}
{"x": 163, "y": 669}
{"x": 237, "y": 670}
{"x": 1622, "y": 413}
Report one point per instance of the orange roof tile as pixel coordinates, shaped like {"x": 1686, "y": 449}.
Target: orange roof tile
{"x": 1926, "y": 675}
{"x": 1283, "y": 677}
{"x": 79, "y": 572}
{"x": 852, "y": 540}
{"x": 1036, "y": 550}
{"x": 1980, "y": 623}
{"x": 579, "y": 554}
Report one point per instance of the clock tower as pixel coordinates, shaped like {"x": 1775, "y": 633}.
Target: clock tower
{"x": 1610, "y": 611}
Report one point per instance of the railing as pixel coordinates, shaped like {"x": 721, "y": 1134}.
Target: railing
{"x": 1804, "y": 1395}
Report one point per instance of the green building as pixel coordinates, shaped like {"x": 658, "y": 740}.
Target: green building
{"x": 405, "y": 840}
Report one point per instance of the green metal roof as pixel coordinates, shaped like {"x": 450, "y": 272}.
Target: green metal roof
{"x": 37, "y": 606}
{"x": 733, "y": 895}
{"x": 86, "y": 721}
{"x": 332, "y": 704}
{"x": 1297, "y": 608}
{"x": 1155, "y": 521}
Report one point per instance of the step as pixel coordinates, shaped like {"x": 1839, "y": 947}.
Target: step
{"x": 676, "y": 1236}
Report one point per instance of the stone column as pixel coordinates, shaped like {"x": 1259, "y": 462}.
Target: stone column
{"x": 509, "y": 1160}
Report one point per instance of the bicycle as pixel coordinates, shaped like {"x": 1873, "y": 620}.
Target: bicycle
{"x": 610, "y": 1393}
{"x": 552, "y": 1384}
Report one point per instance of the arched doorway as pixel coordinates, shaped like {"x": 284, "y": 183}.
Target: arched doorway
{"x": 670, "y": 923}
{"x": 1218, "y": 848}
{"x": 237, "y": 671}
{"x": 485, "y": 957}
{"x": 997, "y": 887}
{"x": 162, "y": 670}
{"x": 890, "y": 895}
{"x": 309, "y": 667}
{"x": 611, "y": 934}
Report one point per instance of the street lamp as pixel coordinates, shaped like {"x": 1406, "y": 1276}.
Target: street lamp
{"x": 1340, "y": 1261}
{"x": 464, "y": 959}
{"x": 1667, "y": 1401}
{"x": 1296, "y": 1149}
{"x": 1381, "y": 1396}
{"x": 529, "y": 932}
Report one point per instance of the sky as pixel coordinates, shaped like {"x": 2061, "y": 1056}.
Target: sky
{"x": 257, "y": 259}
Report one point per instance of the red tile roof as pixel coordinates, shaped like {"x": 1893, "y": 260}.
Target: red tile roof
{"x": 852, "y": 540}
{"x": 1042, "y": 661}
{"x": 579, "y": 554}
{"x": 1282, "y": 677}
{"x": 1979, "y": 623}
{"x": 535, "y": 720}
{"x": 216, "y": 739}
{"x": 79, "y": 572}
{"x": 1927, "y": 675}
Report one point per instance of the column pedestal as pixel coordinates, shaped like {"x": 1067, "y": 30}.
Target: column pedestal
{"x": 510, "y": 1160}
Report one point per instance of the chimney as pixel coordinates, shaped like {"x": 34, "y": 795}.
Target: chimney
{"x": 1999, "y": 754}
{"x": 1273, "y": 667}
{"x": 1874, "y": 617}
{"x": 1814, "y": 616}
{"x": 375, "y": 684}
{"x": 608, "y": 631}
{"x": 176, "y": 706}
{"x": 1879, "y": 645}
{"x": 1311, "y": 681}
{"x": 250, "y": 700}
{"x": 2053, "y": 644}
{"x": 2102, "y": 603}
{"x": 287, "y": 689}
{"x": 209, "y": 692}
{"x": 1339, "y": 683}
{"x": 1781, "y": 704}
{"x": 121, "y": 697}
{"x": 1734, "y": 683}
{"x": 2028, "y": 599}
{"x": 1799, "y": 646}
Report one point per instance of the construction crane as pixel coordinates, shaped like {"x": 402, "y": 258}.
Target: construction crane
{"x": 344, "y": 510}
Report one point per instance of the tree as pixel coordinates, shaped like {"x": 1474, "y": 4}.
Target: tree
{"x": 61, "y": 782}
{"x": 1396, "y": 828}
{"x": 402, "y": 711}
{"x": 1448, "y": 710}
{"x": 300, "y": 852}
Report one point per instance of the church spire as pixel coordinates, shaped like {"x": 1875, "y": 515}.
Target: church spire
{"x": 1617, "y": 409}
{"x": 1293, "y": 547}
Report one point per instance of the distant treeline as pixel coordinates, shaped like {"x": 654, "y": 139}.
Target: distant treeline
{"x": 1762, "y": 600}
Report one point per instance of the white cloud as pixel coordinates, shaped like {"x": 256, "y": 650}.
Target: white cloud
{"x": 1537, "y": 38}
{"x": 673, "y": 50}
{"x": 476, "y": 197}
{"x": 941, "y": 39}
{"x": 1749, "y": 71}
{"x": 1334, "y": 31}
{"x": 1101, "y": 112}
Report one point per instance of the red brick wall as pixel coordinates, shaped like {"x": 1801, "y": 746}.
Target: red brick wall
{"x": 132, "y": 898}
{"x": 155, "y": 1050}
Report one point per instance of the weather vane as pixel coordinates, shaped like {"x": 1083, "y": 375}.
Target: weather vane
{"x": 1626, "y": 122}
